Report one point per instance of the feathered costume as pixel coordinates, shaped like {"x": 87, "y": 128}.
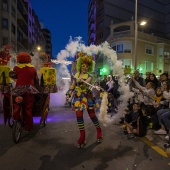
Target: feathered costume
{"x": 83, "y": 98}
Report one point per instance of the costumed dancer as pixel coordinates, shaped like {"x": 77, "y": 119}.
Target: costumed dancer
{"x": 5, "y": 81}
{"x": 48, "y": 76}
{"x": 26, "y": 77}
{"x": 83, "y": 98}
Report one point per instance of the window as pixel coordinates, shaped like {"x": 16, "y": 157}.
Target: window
{"x": 29, "y": 23}
{"x": 100, "y": 25}
{"x": 100, "y": 35}
{"x": 127, "y": 63}
{"x": 20, "y": 37}
{"x": 5, "y": 23}
{"x": 30, "y": 35}
{"x": 30, "y": 11}
{"x": 127, "y": 51}
{"x": 149, "y": 49}
{"x": 100, "y": 12}
{"x": 4, "y": 41}
{"x": 127, "y": 46}
{"x": 13, "y": 28}
{"x": 13, "y": 11}
{"x": 5, "y": 5}
{"x": 119, "y": 48}
{"x": 13, "y": 44}
{"x": 122, "y": 47}
{"x": 148, "y": 66}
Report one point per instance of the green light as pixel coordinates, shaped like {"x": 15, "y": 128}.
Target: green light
{"x": 140, "y": 69}
{"x": 104, "y": 70}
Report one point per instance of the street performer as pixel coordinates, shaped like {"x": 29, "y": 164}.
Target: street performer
{"x": 5, "y": 81}
{"x": 82, "y": 95}
{"x": 26, "y": 76}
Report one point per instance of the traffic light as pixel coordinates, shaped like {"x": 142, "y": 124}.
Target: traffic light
{"x": 104, "y": 71}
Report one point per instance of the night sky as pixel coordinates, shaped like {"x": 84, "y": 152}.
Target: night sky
{"x": 64, "y": 18}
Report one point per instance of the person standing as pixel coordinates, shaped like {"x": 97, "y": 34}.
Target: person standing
{"x": 83, "y": 98}
{"x": 110, "y": 84}
{"x": 147, "y": 79}
{"x": 103, "y": 83}
{"x": 164, "y": 78}
{"x": 5, "y": 82}
{"x": 26, "y": 76}
{"x": 154, "y": 80}
{"x": 137, "y": 78}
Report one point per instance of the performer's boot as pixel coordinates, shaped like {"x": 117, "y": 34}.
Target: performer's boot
{"x": 80, "y": 121}
{"x": 95, "y": 121}
{"x": 99, "y": 135}
{"x": 81, "y": 141}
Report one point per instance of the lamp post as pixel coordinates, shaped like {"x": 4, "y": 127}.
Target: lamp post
{"x": 142, "y": 23}
{"x": 136, "y": 35}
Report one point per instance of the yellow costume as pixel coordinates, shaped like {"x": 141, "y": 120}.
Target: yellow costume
{"x": 83, "y": 98}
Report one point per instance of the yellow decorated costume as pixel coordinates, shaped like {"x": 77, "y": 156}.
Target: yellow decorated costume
{"x": 82, "y": 96}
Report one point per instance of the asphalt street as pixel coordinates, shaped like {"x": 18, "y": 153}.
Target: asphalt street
{"x": 53, "y": 147}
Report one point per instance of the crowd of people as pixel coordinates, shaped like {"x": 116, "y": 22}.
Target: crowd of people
{"x": 149, "y": 107}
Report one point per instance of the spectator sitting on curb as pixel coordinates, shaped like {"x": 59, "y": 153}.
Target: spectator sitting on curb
{"x": 136, "y": 122}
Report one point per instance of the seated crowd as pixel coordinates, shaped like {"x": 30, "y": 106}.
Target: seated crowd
{"x": 149, "y": 107}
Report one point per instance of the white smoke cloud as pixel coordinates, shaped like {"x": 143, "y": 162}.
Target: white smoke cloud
{"x": 107, "y": 52}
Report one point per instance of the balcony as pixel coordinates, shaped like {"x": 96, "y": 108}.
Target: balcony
{"x": 122, "y": 34}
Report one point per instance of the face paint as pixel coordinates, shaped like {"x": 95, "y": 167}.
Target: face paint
{"x": 84, "y": 67}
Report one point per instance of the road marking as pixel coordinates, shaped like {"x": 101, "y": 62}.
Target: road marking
{"x": 154, "y": 147}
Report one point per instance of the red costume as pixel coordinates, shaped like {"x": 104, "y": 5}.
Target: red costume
{"x": 25, "y": 75}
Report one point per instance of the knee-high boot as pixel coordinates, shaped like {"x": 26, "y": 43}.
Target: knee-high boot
{"x": 80, "y": 122}
{"x": 95, "y": 121}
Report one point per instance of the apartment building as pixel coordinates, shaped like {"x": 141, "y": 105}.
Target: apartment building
{"x": 48, "y": 46}
{"x": 153, "y": 52}
{"x": 108, "y": 20}
{"x": 20, "y": 27}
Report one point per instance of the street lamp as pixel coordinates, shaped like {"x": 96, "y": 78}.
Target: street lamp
{"x": 39, "y": 48}
{"x": 136, "y": 33}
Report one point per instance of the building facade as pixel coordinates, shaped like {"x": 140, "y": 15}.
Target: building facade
{"x": 153, "y": 52}
{"x": 113, "y": 20}
{"x": 20, "y": 27}
{"x": 48, "y": 46}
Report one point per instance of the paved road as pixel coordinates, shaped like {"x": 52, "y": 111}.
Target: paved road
{"x": 54, "y": 148}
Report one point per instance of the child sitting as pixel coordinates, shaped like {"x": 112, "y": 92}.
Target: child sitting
{"x": 158, "y": 98}
{"x": 136, "y": 122}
